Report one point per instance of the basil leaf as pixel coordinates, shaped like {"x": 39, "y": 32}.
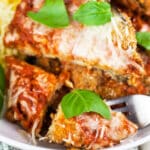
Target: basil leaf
{"x": 143, "y": 39}
{"x": 80, "y": 101}
{"x": 2, "y": 87}
{"x": 53, "y": 14}
{"x": 93, "y": 13}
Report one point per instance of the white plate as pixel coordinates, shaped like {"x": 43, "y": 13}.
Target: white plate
{"x": 10, "y": 134}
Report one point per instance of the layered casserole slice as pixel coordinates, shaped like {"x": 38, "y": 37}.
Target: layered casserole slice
{"x": 30, "y": 92}
{"x": 100, "y": 58}
{"x": 109, "y": 47}
{"x": 89, "y": 130}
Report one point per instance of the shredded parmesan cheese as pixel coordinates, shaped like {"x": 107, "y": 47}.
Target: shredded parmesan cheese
{"x": 102, "y": 132}
{"x": 69, "y": 139}
{"x": 35, "y": 125}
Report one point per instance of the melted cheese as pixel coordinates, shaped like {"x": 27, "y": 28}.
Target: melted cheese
{"x": 93, "y": 124}
{"x": 37, "y": 3}
{"x": 26, "y": 107}
{"x": 15, "y": 96}
{"x": 13, "y": 79}
{"x": 42, "y": 80}
{"x": 25, "y": 94}
{"x": 111, "y": 45}
{"x": 12, "y": 37}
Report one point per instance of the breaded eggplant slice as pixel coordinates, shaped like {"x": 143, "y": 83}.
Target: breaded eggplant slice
{"x": 90, "y": 130}
{"x": 109, "y": 47}
{"x": 104, "y": 83}
{"x": 30, "y": 91}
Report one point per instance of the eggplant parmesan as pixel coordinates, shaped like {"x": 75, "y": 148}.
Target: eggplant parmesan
{"x": 90, "y": 130}
{"x": 51, "y": 62}
{"x": 30, "y": 92}
{"x": 109, "y": 47}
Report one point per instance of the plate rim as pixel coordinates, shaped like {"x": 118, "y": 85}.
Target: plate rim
{"x": 21, "y": 145}
{"x": 125, "y": 144}
{"x": 25, "y": 146}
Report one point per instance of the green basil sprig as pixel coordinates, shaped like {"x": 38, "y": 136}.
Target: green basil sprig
{"x": 143, "y": 39}
{"x": 80, "y": 101}
{"x": 2, "y": 87}
{"x": 53, "y": 14}
{"x": 93, "y": 13}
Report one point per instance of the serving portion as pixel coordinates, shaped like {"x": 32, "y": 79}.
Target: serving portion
{"x": 115, "y": 50}
{"x": 69, "y": 58}
{"x": 32, "y": 90}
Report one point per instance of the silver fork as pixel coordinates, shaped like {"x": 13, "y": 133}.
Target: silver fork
{"x": 136, "y": 108}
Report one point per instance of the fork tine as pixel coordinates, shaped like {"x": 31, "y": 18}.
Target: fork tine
{"x": 123, "y": 109}
{"x": 134, "y": 107}
{"x": 116, "y": 101}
